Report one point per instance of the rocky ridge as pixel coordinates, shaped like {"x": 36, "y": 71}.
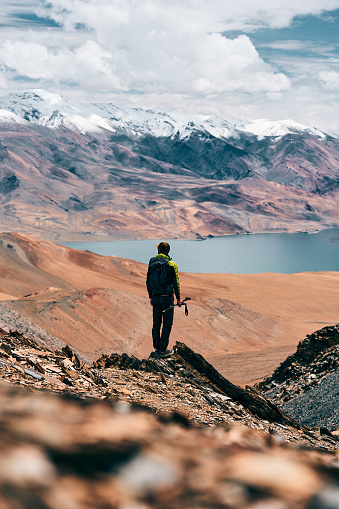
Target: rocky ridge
{"x": 319, "y": 406}
{"x": 316, "y": 357}
{"x": 305, "y": 383}
{"x": 149, "y": 433}
{"x": 11, "y": 320}
{"x": 184, "y": 383}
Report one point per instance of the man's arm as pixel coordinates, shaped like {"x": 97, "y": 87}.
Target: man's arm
{"x": 175, "y": 281}
{"x": 149, "y": 291}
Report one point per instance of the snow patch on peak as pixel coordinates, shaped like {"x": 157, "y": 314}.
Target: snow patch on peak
{"x": 8, "y": 116}
{"x": 264, "y": 128}
{"x": 57, "y": 119}
{"x": 48, "y": 97}
{"x": 95, "y": 122}
{"x": 32, "y": 105}
{"x": 161, "y": 123}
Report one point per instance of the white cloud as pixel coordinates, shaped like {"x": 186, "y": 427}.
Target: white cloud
{"x": 3, "y": 81}
{"x": 301, "y": 46}
{"x": 146, "y": 46}
{"x": 155, "y": 53}
{"x": 329, "y": 80}
{"x": 209, "y": 15}
{"x": 36, "y": 61}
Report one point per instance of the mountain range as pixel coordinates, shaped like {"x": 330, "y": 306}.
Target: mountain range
{"x": 69, "y": 170}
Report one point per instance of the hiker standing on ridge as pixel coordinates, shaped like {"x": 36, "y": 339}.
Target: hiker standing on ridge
{"x": 162, "y": 284}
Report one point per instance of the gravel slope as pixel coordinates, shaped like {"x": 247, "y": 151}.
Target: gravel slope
{"x": 11, "y": 320}
{"x": 319, "y": 407}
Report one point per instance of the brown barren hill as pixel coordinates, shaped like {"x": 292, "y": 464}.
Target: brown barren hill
{"x": 243, "y": 324}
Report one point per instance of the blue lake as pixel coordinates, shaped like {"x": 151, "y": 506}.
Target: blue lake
{"x": 238, "y": 254}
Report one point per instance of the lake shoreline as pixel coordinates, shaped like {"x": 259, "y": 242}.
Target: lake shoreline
{"x": 286, "y": 253}
{"x": 98, "y": 237}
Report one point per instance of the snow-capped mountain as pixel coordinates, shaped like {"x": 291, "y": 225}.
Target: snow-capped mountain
{"x": 52, "y": 110}
{"x": 270, "y": 128}
{"x": 67, "y": 166}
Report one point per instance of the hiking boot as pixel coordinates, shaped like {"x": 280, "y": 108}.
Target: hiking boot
{"x": 168, "y": 353}
{"x": 155, "y": 354}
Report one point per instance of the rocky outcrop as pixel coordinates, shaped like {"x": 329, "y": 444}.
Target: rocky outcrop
{"x": 183, "y": 383}
{"x": 319, "y": 405}
{"x": 305, "y": 383}
{"x": 194, "y": 369}
{"x": 250, "y": 399}
{"x": 127, "y": 433}
{"x": 8, "y": 184}
{"x": 316, "y": 356}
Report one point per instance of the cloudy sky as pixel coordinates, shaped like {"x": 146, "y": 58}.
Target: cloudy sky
{"x": 250, "y": 59}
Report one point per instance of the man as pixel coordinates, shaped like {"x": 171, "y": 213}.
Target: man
{"x": 162, "y": 284}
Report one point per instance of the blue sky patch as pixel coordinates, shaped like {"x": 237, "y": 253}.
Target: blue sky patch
{"x": 30, "y": 19}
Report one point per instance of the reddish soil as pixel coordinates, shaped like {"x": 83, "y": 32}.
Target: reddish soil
{"x": 244, "y": 324}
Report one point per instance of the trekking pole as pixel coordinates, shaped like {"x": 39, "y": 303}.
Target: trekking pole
{"x": 182, "y": 302}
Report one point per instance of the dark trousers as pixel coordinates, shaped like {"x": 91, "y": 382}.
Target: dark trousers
{"x": 160, "y": 336}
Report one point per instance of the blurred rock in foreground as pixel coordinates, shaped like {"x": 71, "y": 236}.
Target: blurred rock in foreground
{"x": 63, "y": 452}
{"x": 149, "y": 434}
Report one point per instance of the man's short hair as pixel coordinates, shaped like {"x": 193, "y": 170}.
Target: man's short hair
{"x": 163, "y": 247}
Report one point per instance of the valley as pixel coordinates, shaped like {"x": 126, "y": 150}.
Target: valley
{"x": 244, "y": 324}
